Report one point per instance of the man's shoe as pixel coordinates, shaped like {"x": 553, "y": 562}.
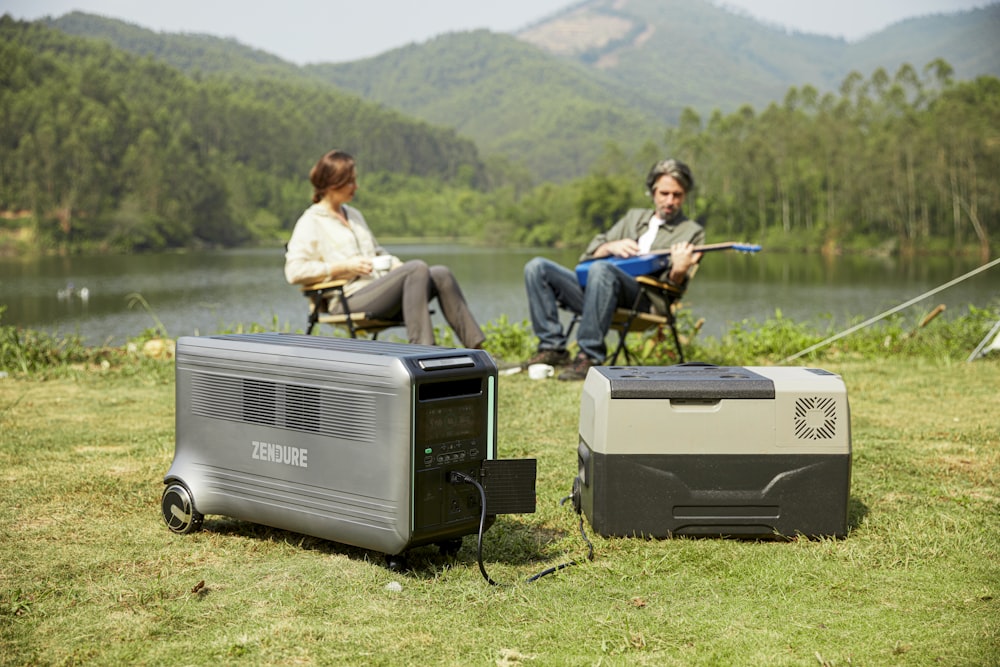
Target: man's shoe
{"x": 579, "y": 369}
{"x": 549, "y": 357}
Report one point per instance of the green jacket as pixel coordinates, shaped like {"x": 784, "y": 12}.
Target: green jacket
{"x": 636, "y": 221}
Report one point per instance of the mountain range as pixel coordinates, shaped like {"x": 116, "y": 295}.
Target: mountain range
{"x": 555, "y": 95}
{"x": 703, "y": 56}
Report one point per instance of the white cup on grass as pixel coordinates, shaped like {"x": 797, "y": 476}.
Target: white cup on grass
{"x": 540, "y": 371}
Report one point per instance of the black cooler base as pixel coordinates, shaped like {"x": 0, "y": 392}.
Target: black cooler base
{"x": 658, "y": 496}
{"x": 665, "y": 495}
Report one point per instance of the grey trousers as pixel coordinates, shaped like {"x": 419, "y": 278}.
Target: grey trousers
{"x": 408, "y": 289}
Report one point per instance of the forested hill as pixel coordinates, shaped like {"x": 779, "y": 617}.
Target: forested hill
{"x": 603, "y": 71}
{"x": 541, "y": 113}
{"x": 111, "y": 149}
{"x": 105, "y": 149}
{"x": 555, "y": 117}
{"x": 646, "y": 57}
{"x": 188, "y": 52}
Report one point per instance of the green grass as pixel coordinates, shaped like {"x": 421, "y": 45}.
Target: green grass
{"x": 89, "y": 574}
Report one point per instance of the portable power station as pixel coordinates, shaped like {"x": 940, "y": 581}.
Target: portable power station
{"x": 349, "y": 440}
{"x": 697, "y": 449}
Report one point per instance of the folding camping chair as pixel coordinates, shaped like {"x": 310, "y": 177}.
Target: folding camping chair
{"x": 320, "y": 295}
{"x": 665, "y": 299}
{"x": 661, "y": 300}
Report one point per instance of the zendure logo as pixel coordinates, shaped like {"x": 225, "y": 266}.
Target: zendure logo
{"x": 270, "y": 452}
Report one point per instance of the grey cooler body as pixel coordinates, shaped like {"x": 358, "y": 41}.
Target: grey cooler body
{"x": 708, "y": 450}
{"x": 342, "y": 439}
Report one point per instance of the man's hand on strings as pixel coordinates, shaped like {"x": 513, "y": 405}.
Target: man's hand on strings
{"x": 620, "y": 248}
{"x": 682, "y": 258}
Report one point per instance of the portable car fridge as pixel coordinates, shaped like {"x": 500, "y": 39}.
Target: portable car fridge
{"x": 697, "y": 449}
{"x": 348, "y": 440}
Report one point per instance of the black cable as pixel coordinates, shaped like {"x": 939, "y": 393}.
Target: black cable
{"x": 590, "y": 556}
{"x": 460, "y": 477}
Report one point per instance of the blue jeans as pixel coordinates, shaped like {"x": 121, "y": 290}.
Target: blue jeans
{"x": 551, "y": 286}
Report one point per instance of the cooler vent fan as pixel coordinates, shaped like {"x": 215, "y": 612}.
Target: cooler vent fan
{"x": 815, "y": 418}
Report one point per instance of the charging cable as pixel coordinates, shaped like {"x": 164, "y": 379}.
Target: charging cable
{"x": 456, "y": 477}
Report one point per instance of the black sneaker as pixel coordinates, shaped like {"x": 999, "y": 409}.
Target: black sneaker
{"x": 550, "y": 357}
{"x": 579, "y": 369}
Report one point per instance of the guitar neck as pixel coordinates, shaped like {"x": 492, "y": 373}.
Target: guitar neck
{"x": 652, "y": 262}
{"x": 700, "y": 248}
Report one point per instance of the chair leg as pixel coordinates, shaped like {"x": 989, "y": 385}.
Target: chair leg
{"x": 677, "y": 341}
{"x": 622, "y": 335}
{"x": 622, "y": 347}
{"x": 619, "y": 349}
{"x": 347, "y": 309}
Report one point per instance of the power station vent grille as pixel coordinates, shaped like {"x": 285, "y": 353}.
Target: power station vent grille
{"x": 815, "y": 418}
{"x": 341, "y": 414}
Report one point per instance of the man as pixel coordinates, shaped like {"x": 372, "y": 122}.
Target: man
{"x": 551, "y": 286}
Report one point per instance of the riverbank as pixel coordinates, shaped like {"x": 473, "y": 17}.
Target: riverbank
{"x": 772, "y": 340}
{"x": 18, "y": 239}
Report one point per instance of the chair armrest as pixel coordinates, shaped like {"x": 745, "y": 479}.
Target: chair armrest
{"x": 323, "y": 285}
{"x": 653, "y": 283}
{"x": 320, "y": 294}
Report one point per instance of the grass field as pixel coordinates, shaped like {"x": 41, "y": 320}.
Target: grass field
{"x": 89, "y": 574}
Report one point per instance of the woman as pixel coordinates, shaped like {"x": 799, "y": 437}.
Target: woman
{"x": 332, "y": 241}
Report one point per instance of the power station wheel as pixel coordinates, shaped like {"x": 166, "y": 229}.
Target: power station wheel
{"x": 178, "y": 509}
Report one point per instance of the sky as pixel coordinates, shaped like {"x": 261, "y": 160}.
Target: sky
{"x": 311, "y": 31}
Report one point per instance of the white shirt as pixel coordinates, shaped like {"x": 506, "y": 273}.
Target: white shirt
{"x": 647, "y": 238}
{"x": 319, "y": 240}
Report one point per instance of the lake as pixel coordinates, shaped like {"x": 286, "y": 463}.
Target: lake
{"x": 205, "y": 292}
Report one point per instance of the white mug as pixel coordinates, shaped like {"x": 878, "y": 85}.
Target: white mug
{"x": 382, "y": 262}
{"x": 540, "y": 371}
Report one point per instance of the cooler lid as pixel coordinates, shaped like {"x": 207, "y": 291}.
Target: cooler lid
{"x": 697, "y": 381}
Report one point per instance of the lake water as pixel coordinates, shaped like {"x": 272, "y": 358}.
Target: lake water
{"x": 206, "y": 292}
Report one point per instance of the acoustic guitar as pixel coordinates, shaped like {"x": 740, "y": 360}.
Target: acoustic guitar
{"x": 656, "y": 261}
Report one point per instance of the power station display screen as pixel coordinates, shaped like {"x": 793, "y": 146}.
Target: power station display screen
{"x": 449, "y": 421}
{"x": 450, "y": 410}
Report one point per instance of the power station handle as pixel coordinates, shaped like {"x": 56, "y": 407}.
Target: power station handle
{"x": 447, "y": 362}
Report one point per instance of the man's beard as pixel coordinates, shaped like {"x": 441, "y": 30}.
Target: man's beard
{"x": 668, "y": 217}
